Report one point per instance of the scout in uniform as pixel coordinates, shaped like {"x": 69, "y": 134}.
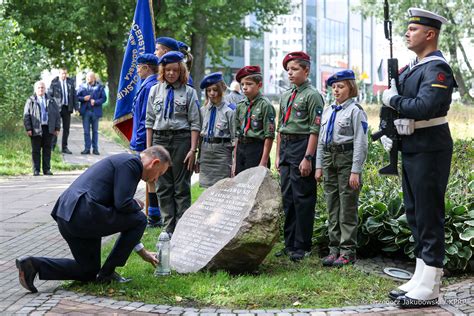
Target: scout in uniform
{"x": 173, "y": 120}
{"x": 217, "y": 133}
{"x": 165, "y": 45}
{"x": 422, "y": 103}
{"x": 300, "y": 117}
{"x": 254, "y": 123}
{"x": 147, "y": 69}
{"x": 342, "y": 150}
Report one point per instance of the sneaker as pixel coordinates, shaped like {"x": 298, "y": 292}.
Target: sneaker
{"x": 343, "y": 260}
{"x": 299, "y": 254}
{"x": 154, "y": 221}
{"x": 328, "y": 261}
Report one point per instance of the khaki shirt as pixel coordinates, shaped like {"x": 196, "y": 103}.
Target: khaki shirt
{"x": 305, "y": 117}
{"x": 186, "y": 113}
{"x": 224, "y": 123}
{"x": 262, "y": 118}
{"x": 350, "y": 125}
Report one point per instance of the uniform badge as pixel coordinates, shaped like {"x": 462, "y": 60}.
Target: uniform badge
{"x": 441, "y": 77}
{"x": 254, "y": 123}
{"x": 271, "y": 128}
{"x": 158, "y": 108}
{"x": 298, "y": 114}
{"x": 317, "y": 120}
{"x": 257, "y": 110}
{"x": 253, "y": 116}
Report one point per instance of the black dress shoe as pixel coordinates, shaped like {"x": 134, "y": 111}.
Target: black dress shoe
{"x": 26, "y": 273}
{"x": 406, "y": 302}
{"x": 66, "y": 151}
{"x": 154, "y": 221}
{"x": 395, "y": 294}
{"x": 283, "y": 252}
{"x": 112, "y": 277}
{"x": 299, "y": 254}
{"x": 85, "y": 152}
{"x": 96, "y": 152}
{"x": 48, "y": 173}
{"x": 36, "y": 173}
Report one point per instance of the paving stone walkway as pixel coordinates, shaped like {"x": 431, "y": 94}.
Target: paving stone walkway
{"x": 26, "y": 228}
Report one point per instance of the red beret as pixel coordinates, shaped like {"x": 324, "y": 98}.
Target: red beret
{"x": 247, "y": 71}
{"x": 295, "y": 55}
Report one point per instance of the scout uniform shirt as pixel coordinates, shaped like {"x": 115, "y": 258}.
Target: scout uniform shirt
{"x": 261, "y": 115}
{"x": 223, "y": 121}
{"x": 350, "y": 126}
{"x": 181, "y": 113}
{"x": 305, "y": 110}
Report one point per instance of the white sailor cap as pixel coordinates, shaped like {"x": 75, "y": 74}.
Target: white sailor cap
{"x": 424, "y": 17}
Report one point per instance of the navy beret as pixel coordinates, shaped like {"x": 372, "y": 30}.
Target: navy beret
{"x": 149, "y": 59}
{"x": 340, "y": 76}
{"x": 211, "y": 79}
{"x": 182, "y": 46}
{"x": 171, "y": 57}
{"x": 168, "y": 42}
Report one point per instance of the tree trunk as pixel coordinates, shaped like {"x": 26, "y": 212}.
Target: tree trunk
{"x": 463, "y": 90}
{"x": 114, "y": 58}
{"x": 199, "y": 50}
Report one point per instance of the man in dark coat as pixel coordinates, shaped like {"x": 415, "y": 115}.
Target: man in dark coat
{"x": 63, "y": 91}
{"x": 99, "y": 203}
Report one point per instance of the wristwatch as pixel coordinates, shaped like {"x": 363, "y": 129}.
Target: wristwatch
{"x": 309, "y": 157}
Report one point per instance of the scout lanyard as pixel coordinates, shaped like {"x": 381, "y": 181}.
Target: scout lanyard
{"x": 169, "y": 102}
{"x": 247, "y": 118}
{"x": 330, "y": 131}
{"x": 289, "y": 106}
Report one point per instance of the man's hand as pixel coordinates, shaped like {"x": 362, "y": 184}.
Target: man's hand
{"x": 305, "y": 167}
{"x": 197, "y": 167}
{"x": 87, "y": 98}
{"x": 389, "y": 94}
{"x": 56, "y": 133}
{"x": 319, "y": 175}
{"x": 189, "y": 160}
{"x": 354, "y": 181}
{"x": 30, "y": 133}
{"x": 277, "y": 163}
{"x": 148, "y": 257}
{"x": 92, "y": 102}
{"x": 140, "y": 202}
{"x": 387, "y": 143}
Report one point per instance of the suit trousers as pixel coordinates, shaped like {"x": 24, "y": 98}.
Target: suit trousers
{"x": 424, "y": 181}
{"x": 66, "y": 125}
{"x": 41, "y": 143}
{"x": 299, "y": 195}
{"x": 174, "y": 187}
{"x": 83, "y": 235}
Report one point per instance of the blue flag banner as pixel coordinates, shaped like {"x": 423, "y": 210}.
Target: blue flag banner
{"x": 141, "y": 40}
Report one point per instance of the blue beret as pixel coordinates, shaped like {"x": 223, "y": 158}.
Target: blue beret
{"x": 211, "y": 79}
{"x": 182, "y": 46}
{"x": 171, "y": 57}
{"x": 168, "y": 42}
{"x": 340, "y": 76}
{"x": 149, "y": 59}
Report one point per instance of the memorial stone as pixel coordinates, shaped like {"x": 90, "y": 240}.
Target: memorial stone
{"x": 232, "y": 226}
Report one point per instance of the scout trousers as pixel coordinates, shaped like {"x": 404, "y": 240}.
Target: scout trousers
{"x": 174, "y": 187}
{"x": 341, "y": 202}
{"x": 424, "y": 180}
{"x": 299, "y": 195}
{"x": 249, "y": 156}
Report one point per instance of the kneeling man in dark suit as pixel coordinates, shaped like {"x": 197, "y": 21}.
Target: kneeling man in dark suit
{"x": 100, "y": 202}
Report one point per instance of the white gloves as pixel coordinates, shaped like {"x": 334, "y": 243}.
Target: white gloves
{"x": 389, "y": 93}
{"x": 386, "y": 142}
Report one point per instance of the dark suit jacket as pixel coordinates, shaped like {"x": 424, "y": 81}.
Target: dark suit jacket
{"x": 56, "y": 92}
{"x": 106, "y": 187}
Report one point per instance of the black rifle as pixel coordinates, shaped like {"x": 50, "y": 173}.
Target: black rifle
{"x": 388, "y": 115}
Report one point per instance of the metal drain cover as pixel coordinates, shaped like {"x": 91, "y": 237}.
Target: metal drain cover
{"x": 398, "y": 273}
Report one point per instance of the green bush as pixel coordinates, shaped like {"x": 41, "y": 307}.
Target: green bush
{"x": 383, "y": 227}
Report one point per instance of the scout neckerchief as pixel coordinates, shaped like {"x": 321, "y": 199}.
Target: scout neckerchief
{"x": 247, "y": 118}
{"x": 289, "y": 106}
{"x": 212, "y": 120}
{"x": 169, "y": 102}
{"x": 330, "y": 131}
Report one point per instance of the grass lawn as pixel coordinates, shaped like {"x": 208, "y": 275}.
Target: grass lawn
{"x": 15, "y": 154}
{"x": 279, "y": 283}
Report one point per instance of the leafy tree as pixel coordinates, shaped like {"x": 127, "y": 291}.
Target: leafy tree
{"x": 459, "y": 14}
{"x": 93, "y": 33}
{"x": 21, "y": 64}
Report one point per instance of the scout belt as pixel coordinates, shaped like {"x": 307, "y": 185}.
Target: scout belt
{"x": 339, "y": 148}
{"x": 216, "y": 140}
{"x": 250, "y": 140}
{"x": 292, "y": 137}
{"x": 171, "y": 132}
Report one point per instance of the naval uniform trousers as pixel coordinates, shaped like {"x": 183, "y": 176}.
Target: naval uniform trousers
{"x": 83, "y": 234}
{"x": 174, "y": 186}
{"x": 41, "y": 143}
{"x": 341, "y": 201}
{"x": 424, "y": 181}
{"x": 299, "y": 195}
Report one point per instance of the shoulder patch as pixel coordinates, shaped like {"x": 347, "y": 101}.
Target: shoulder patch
{"x": 365, "y": 126}
{"x": 441, "y": 77}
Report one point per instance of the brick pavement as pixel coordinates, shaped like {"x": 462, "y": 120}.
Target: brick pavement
{"x": 27, "y": 228}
